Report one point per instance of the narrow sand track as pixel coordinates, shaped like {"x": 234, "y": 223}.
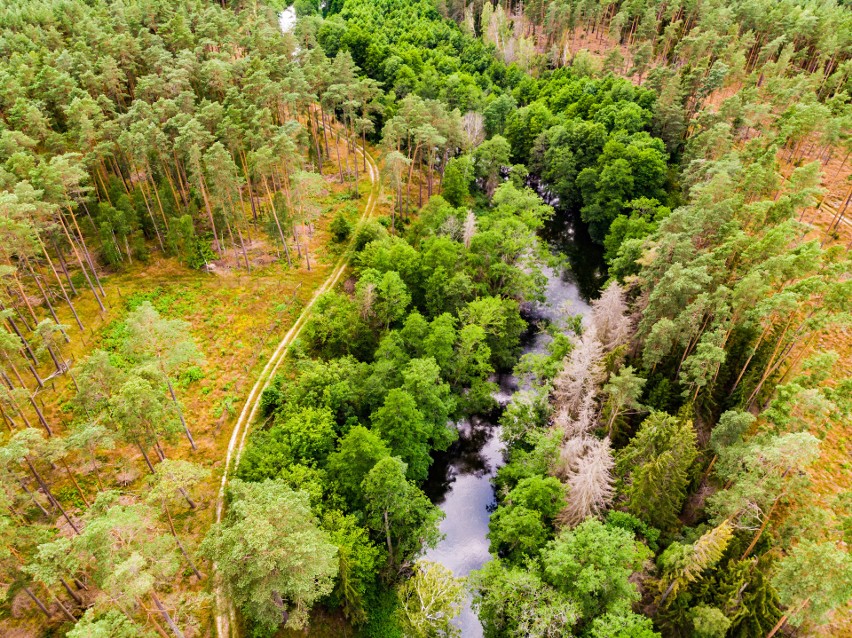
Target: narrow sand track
{"x": 226, "y": 624}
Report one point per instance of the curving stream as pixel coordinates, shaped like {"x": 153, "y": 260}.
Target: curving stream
{"x": 460, "y": 478}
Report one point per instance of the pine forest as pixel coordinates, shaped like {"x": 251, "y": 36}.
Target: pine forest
{"x": 426, "y": 318}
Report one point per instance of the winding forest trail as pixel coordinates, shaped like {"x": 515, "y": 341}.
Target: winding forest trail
{"x": 225, "y": 611}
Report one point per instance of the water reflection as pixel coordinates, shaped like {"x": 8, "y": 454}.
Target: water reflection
{"x": 460, "y": 478}
{"x": 567, "y": 235}
{"x": 465, "y": 457}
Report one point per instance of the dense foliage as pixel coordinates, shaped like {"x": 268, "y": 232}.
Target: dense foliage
{"x": 662, "y": 461}
{"x": 385, "y": 370}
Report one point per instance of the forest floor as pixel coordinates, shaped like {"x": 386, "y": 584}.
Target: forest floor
{"x": 225, "y": 612}
{"x": 832, "y": 474}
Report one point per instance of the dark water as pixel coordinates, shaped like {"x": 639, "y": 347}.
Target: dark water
{"x": 568, "y": 235}
{"x": 460, "y": 478}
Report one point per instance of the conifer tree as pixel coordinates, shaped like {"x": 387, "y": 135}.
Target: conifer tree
{"x": 167, "y": 342}
{"x": 655, "y": 465}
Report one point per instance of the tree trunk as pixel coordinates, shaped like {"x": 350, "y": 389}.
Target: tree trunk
{"x": 59, "y": 281}
{"x": 33, "y": 498}
{"x": 231, "y": 235}
{"x": 53, "y": 357}
{"x": 324, "y": 131}
{"x": 24, "y": 297}
{"x": 277, "y": 222}
{"x": 46, "y": 299}
{"x": 153, "y": 186}
{"x": 350, "y": 150}
{"x": 209, "y": 210}
{"x": 179, "y": 543}
{"x": 145, "y": 456}
{"x": 20, "y": 314}
{"x": 76, "y": 484}
{"x": 279, "y": 602}
{"x": 778, "y": 626}
{"x": 784, "y": 618}
{"x": 94, "y": 459}
{"x": 14, "y": 370}
{"x": 64, "y": 609}
{"x": 765, "y": 520}
{"x": 165, "y": 614}
{"x": 339, "y": 164}
{"x": 420, "y": 182}
{"x": 431, "y": 162}
{"x": 80, "y": 262}
{"x": 41, "y": 418}
{"x": 180, "y": 412}
{"x": 410, "y": 174}
{"x": 50, "y": 495}
{"x": 243, "y": 212}
{"x": 151, "y": 213}
{"x": 87, "y": 253}
{"x": 20, "y": 336}
{"x": 773, "y": 364}
{"x": 750, "y": 357}
{"x": 248, "y": 185}
{"x": 315, "y": 135}
{"x": 17, "y": 406}
{"x": 37, "y": 601}
{"x": 364, "y": 148}
{"x": 70, "y": 591}
{"x": 243, "y": 248}
{"x": 64, "y": 265}
{"x": 388, "y": 536}
{"x": 35, "y": 374}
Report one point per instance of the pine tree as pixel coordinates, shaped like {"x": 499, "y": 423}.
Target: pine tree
{"x": 812, "y": 580}
{"x": 167, "y": 342}
{"x": 683, "y": 564}
{"x": 622, "y": 393}
{"x": 655, "y": 465}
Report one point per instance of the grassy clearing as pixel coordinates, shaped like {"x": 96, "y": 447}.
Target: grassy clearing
{"x": 237, "y": 319}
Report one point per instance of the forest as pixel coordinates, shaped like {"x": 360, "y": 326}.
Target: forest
{"x": 270, "y": 288}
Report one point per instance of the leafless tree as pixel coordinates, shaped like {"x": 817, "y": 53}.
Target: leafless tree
{"x": 570, "y": 455}
{"x": 366, "y": 300}
{"x": 580, "y": 376}
{"x": 474, "y": 129}
{"x": 469, "y": 228}
{"x": 452, "y": 228}
{"x": 590, "y": 485}
{"x": 610, "y": 317}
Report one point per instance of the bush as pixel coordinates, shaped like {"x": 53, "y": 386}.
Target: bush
{"x": 633, "y": 524}
{"x": 190, "y": 375}
{"x": 340, "y": 228}
{"x": 370, "y": 231}
{"x": 381, "y": 605}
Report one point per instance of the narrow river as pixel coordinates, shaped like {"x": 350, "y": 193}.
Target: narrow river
{"x": 460, "y": 479}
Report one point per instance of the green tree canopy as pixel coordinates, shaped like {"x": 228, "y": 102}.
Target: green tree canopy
{"x": 274, "y": 573}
